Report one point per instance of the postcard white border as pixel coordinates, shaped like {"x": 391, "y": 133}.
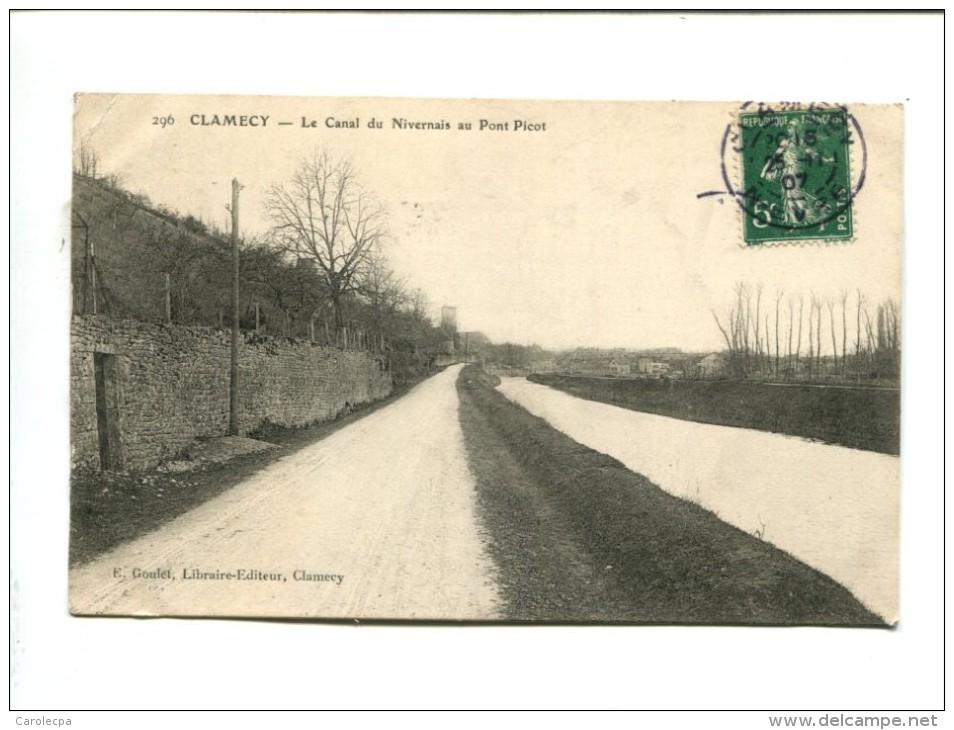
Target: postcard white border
{"x": 71, "y": 663}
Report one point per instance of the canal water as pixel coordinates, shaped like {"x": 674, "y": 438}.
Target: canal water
{"x": 832, "y": 507}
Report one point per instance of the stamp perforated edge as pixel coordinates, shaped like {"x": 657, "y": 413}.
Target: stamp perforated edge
{"x": 731, "y": 164}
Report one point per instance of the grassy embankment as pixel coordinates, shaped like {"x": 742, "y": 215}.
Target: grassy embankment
{"x": 862, "y": 418}
{"x": 578, "y": 537}
{"x": 113, "y": 507}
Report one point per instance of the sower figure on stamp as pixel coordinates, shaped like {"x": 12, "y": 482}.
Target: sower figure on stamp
{"x": 785, "y": 165}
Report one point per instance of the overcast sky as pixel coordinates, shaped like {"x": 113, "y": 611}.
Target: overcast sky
{"x": 589, "y": 232}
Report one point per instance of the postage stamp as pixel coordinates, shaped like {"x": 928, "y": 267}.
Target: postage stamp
{"x": 796, "y": 174}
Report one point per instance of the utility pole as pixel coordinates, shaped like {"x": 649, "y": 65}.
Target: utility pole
{"x": 92, "y": 270}
{"x": 233, "y": 375}
{"x": 169, "y": 300}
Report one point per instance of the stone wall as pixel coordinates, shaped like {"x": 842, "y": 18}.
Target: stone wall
{"x": 163, "y": 386}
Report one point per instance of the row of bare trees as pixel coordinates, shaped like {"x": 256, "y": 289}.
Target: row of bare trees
{"x": 328, "y": 225}
{"x": 798, "y": 337}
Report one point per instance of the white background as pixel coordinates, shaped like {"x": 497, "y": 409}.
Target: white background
{"x": 64, "y": 664}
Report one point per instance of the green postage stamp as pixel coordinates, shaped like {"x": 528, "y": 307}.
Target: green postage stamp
{"x": 796, "y": 176}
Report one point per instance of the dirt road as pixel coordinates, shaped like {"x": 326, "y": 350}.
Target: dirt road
{"x": 376, "y": 521}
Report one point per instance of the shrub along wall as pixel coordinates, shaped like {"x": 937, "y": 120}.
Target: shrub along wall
{"x": 140, "y": 393}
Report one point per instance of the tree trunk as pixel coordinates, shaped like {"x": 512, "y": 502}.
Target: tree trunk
{"x": 834, "y": 346}
{"x": 798, "y": 347}
{"x": 778, "y": 300}
{"x": 338, "y": 311}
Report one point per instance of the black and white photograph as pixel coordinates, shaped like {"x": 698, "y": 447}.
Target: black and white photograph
{"x": 443, "y": 360}
{"x": 506, "y": 360}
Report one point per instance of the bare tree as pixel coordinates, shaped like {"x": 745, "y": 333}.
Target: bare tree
{"x": 870, "y": 340}
{"x": 844, "y": 333}
{"x": 758, "y": 338}
{"x": 791, "y": 326}
{"x": 831, "y": 322}
{"x": 736, "y": 331}
{"x": 295, "y": 288}
{"x": 323, "y": 214}
{"x": 778, "y": 299}
{"x": 744, "y": 297}
{"x": 811, "y": 341}
{"x": 729, "y": 340}
{"x": 798, "y": 347}
{"x": 87, "y": 161}
{"x": 747, "y": 332}
{"x": 888, "y": 353}
{"x": 892, "y": 325}
{"x": 384, "y": 292}
{"x": 860, "y": 306}
{"x": 417, "y": 304}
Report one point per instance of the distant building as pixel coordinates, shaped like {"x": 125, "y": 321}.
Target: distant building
{"x": 713, "y": 365}
{"x": 449, "y": 317}
{"x": 647, "y": 366}
{"x": 449, "y": 328}
{"x": 617, "y": 367}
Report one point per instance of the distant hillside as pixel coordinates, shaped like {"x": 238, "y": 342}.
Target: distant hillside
{"x": 135, "y": 260}
{"x": 123, "y": 248}
{"x": 128, "y": 251}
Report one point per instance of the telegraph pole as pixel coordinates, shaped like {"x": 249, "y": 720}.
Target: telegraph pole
{"x": 169, "y": 300}
{"x": 233, "y": 375}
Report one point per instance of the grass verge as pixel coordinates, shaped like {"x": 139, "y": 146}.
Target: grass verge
{"x": 113, "y": 507}
{"x": 578, "y": 537}
{"x": 862, "y": 418}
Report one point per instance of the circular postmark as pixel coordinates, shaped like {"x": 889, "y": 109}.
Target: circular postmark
{"x": 794, "y": 171}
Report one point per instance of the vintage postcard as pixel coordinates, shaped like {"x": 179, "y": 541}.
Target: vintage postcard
{"x": 486, "y": 360}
